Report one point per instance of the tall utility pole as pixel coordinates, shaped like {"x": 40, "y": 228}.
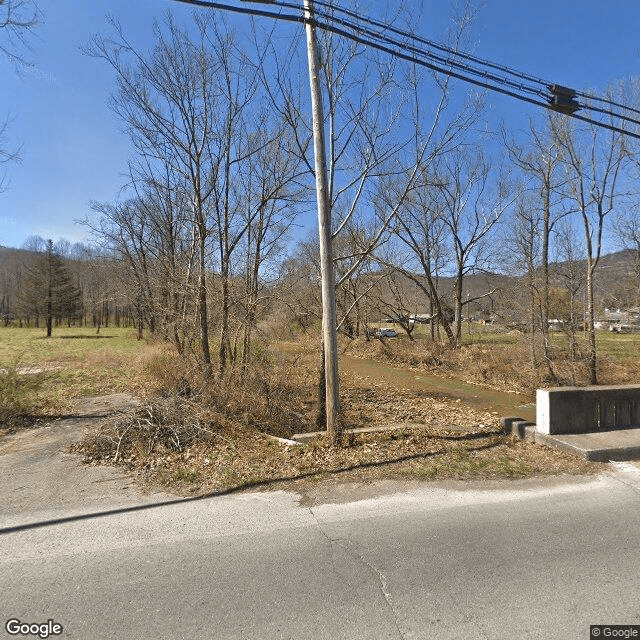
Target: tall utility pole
{"x": 329, "y": 331}
{"x": 329, "y": 324}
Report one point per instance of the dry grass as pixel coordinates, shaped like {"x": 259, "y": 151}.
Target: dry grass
{"x": 271, "y": 395}
{"x": 193, "y": 435}
{"x": 223, "y": 457}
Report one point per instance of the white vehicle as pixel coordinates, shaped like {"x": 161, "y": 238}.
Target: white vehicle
{"x": 386, "y": 332}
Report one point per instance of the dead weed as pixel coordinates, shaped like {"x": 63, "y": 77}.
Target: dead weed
{"x": 212, "y": 436}
{"x": 495, "y": 365}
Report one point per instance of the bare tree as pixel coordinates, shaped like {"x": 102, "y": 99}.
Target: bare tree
{"x": 566, "y": 302}
{"x": 524, "y": 235}
{"x": 6, "y": 155}
{"x": 456, "y": 207}
{"x": 360, "y": 120}
{"x": 405, "y": 203}
{"x": 210, "y": 157}
{"x": 397, "y": 299}
{"x": 627, "y": 230}
{"x": 272, "y": 191}
{"x": 592, "y": 160}
{"x": 374, "y": 160}
{"x": 357, "y": 277}
{"x": 173, "y": 103}
{"x": 419, "y": 253}
{"x": 169, "y": 102}
{"x": 150, "y": 235}
{"x": 18, "y": 18}
{"x": 539, "y": 160}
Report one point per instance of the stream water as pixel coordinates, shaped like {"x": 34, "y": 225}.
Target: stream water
{"x": 498, "y": 402}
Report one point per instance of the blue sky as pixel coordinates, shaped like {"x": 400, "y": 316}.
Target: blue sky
{"x": 72, "y": 147}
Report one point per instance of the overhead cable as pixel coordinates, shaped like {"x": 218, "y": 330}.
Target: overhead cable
{"x": 459, "y": 65}
{"x": 460, "y": 54}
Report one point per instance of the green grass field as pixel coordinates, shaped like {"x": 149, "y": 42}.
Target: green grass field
{"x": 67, "y": 344}
{"x": 76, "y": 361}
{"x": 619, "y": 346}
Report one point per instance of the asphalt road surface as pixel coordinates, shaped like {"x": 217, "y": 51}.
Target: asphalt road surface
{"x": 545, "y": 560}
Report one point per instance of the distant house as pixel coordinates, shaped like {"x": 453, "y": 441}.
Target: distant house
{"x": 556, "y": 325}
{"x": 627, "y": 316}
{"x": 414, "y": 318}
{"x": 420, "y": 318}
{"x": 622, "y": 320}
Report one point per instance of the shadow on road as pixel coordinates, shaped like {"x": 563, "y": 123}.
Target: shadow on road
{"x": 250, "y": 485}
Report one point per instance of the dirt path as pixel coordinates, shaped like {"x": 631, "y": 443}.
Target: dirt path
{"x": 40, "y": 480}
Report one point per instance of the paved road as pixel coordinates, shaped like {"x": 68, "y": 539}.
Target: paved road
{"x": 543, "y": 561}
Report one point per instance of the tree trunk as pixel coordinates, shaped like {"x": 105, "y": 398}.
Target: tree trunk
{"x": 224, "y": 331}
{"x": 49, "y": 306}
{"x": 202, "y": 300}
{"x": 140, "y": 328}
{"x": 590, "y": 326}
{"x": 532, "y": 318}
{"x": 458, "y": 309}
{"x": 544, "y": 319}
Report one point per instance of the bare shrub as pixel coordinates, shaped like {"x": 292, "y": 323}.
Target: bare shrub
{"x": 504, "y": 366}
{"x": 500, "y": 365}
{"x": 161, "y": 369}
{"x": 268, "y": 394}
{"x": 613, "y": 371}
{"x": 421, "y": 354}
{"x": 161, "y": 426}
{"x": 181, "y": 410}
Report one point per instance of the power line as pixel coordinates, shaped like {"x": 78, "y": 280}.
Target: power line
{"x": 424, "y": 41}
{"x": 543, "y": 89}
{"x": 486, "y": 79}
{"x": 244, "y": 10}
{"x": 459, "y": 65}
{"x": 460, "y": 54}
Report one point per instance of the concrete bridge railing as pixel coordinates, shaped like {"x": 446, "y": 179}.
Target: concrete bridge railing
{"x": 563, "y": 410}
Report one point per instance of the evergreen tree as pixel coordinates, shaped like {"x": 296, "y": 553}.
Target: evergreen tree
{"x": 49, "y": 289}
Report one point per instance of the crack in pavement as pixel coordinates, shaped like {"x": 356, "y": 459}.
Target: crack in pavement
{"x": 348, "y": 545}
{"x": 629, "y": 480}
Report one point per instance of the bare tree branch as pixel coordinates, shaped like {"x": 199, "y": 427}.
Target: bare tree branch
{"x": 18, "y": 19}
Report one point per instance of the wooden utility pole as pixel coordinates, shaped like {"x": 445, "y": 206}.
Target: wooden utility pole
{"x": 329, "y": 330}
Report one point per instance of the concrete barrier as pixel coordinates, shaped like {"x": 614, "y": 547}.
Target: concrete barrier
{"x": 563, "y": 410}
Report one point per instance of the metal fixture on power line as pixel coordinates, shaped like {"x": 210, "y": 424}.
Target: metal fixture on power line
{"x": 563, "y": 99}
